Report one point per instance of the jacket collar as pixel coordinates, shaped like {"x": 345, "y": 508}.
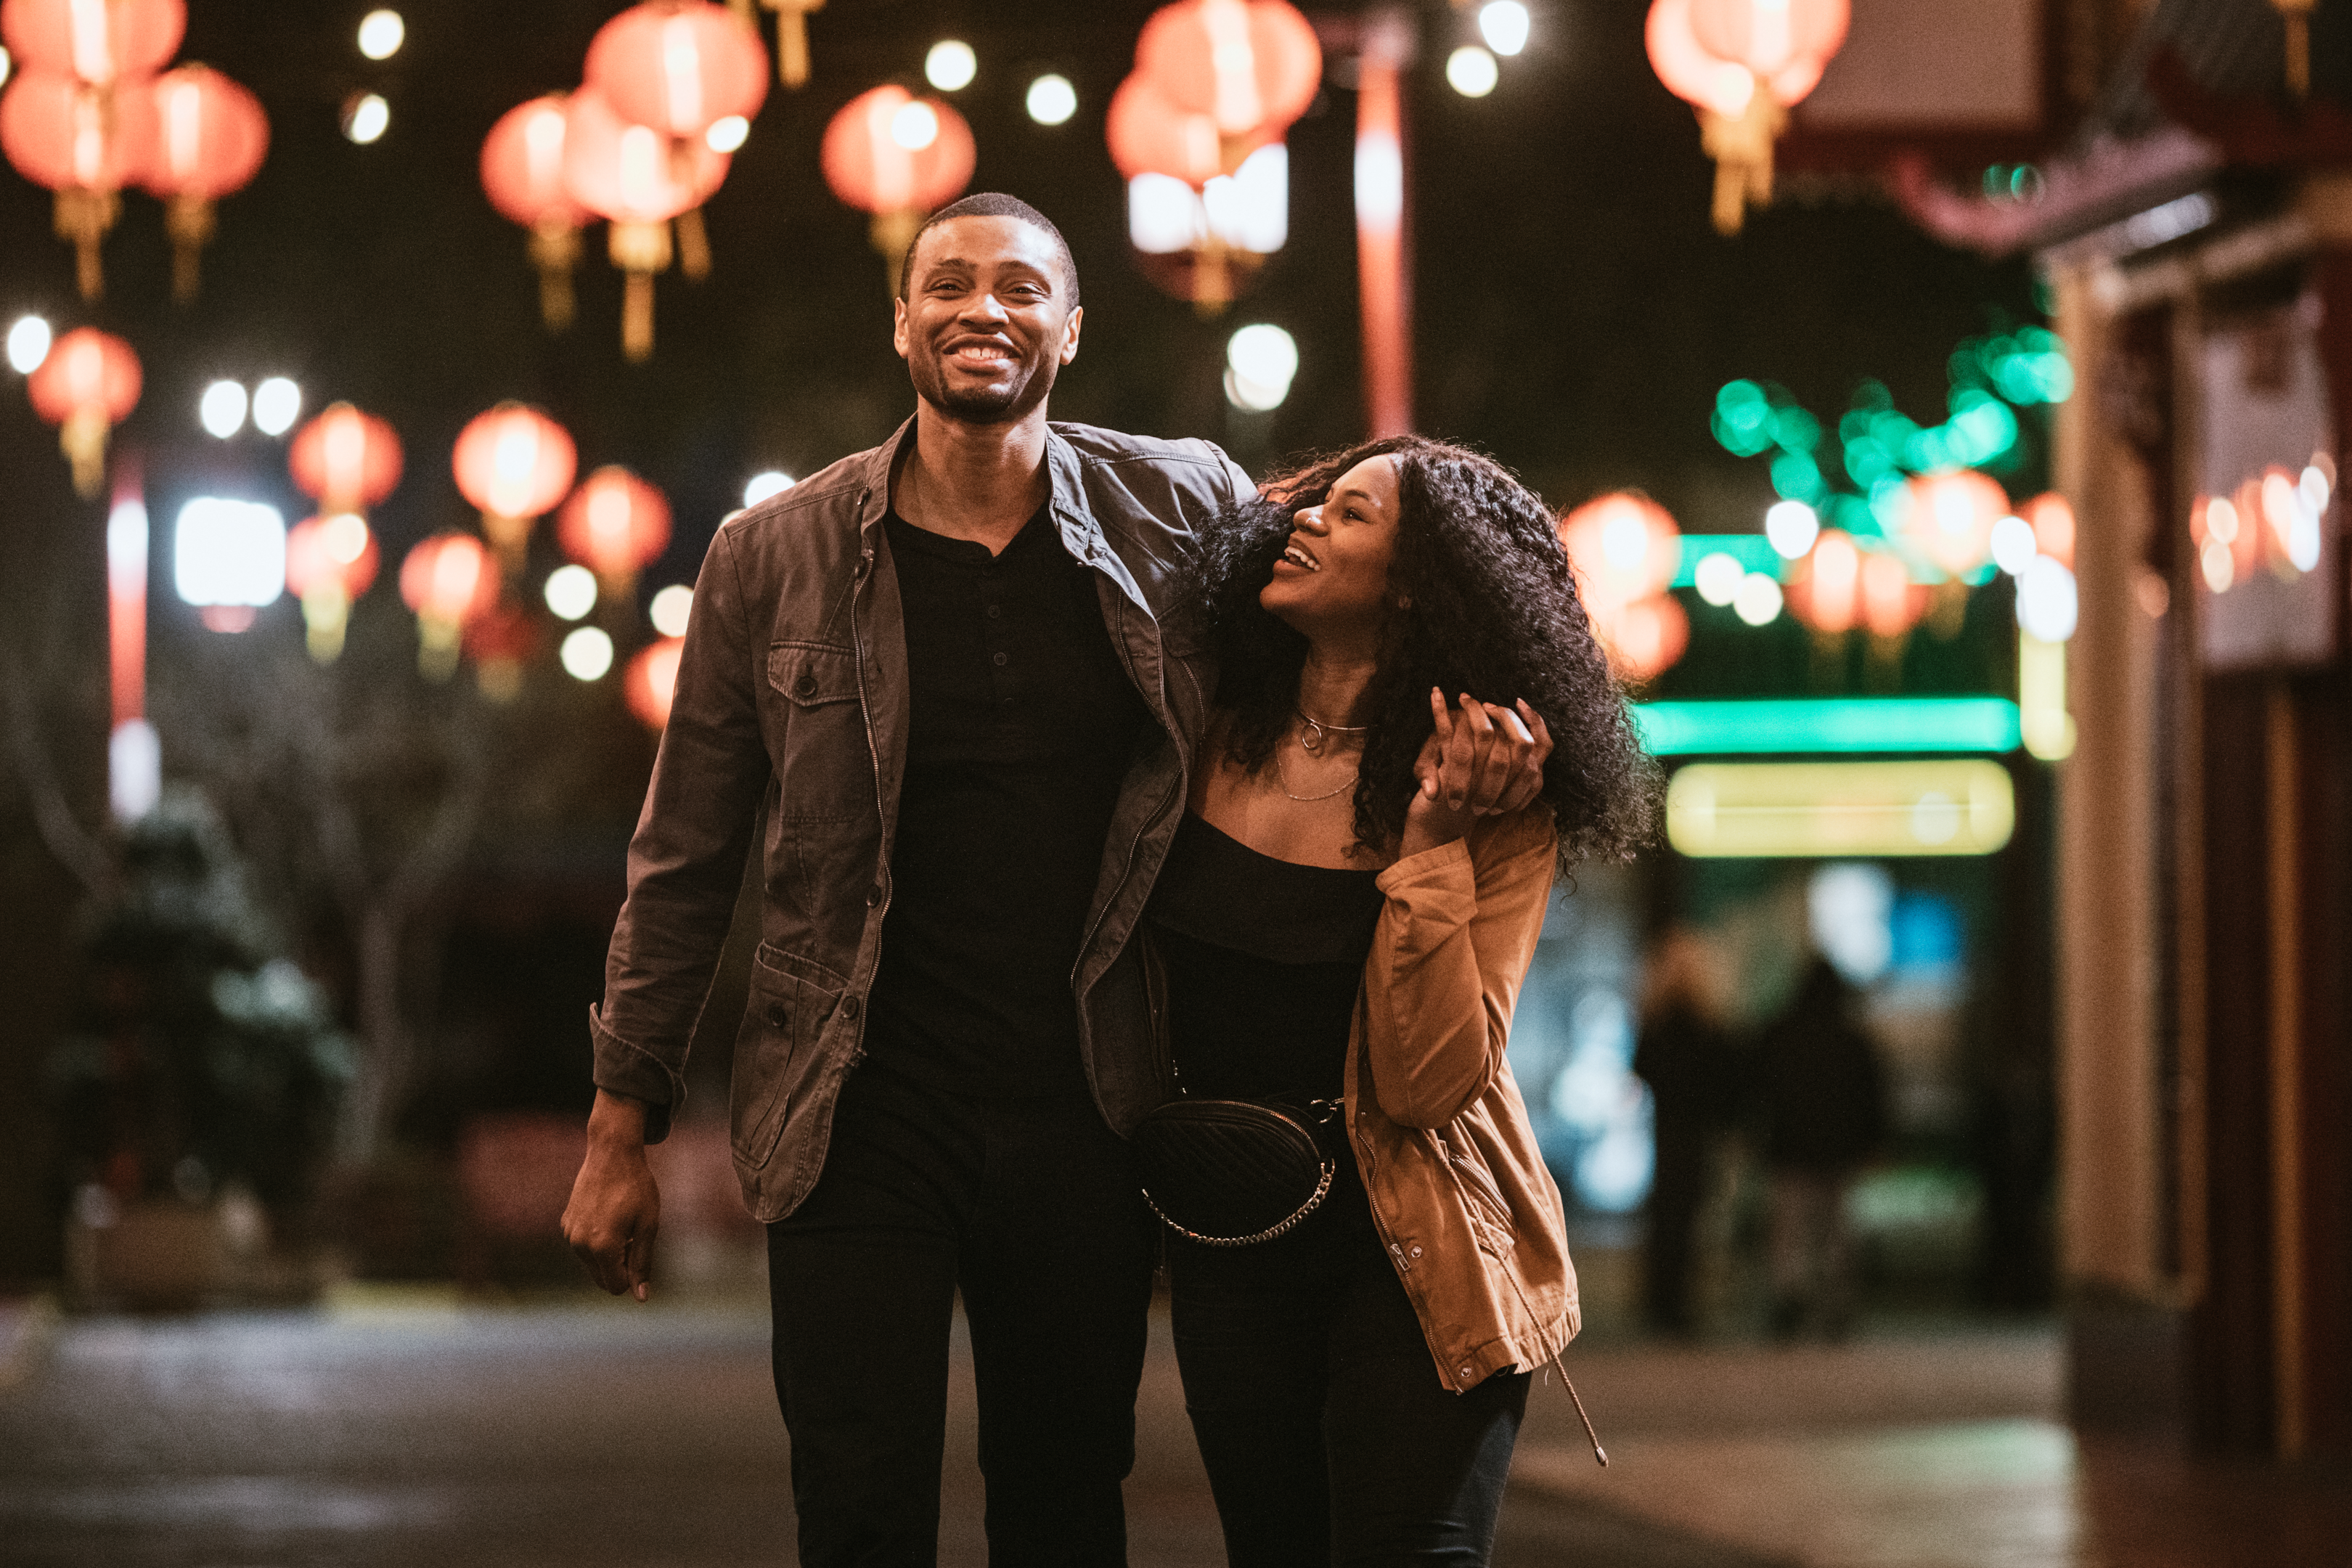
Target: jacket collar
{"x": 1065, "y": 494}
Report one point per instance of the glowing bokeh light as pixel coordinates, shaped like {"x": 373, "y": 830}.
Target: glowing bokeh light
{"x": 366, "y": 118}
{"x": 951, "y": 65}
{"x": 381, "y": 35}
{"x": 727, "y": 133}
{"x": 1260, "y": 362}
{"x": 760, "y": 486}
{"x": 276, "y": 404}
{"x": 1471, "y": 71}
{"x": 1717, "y": 577}
{"x": 1792, "y": 526}
{"x": 28, "y": 344}
{"x": 571, "y": 592}
{"x": 1052, "y": 99}
{"x": 586, "y": 653}
{"x": 670, "y": 609}
{"x": 221, "y": 410}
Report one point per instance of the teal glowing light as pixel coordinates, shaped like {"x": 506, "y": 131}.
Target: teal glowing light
{"x": 1797, "y": 477}
{"x": 1752, "y": 551}
{"x": 1743, "y": 419}
{"x": 1781, "y": 727}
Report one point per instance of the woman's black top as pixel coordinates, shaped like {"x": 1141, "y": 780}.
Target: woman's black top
{"x": 1264, "y": 958}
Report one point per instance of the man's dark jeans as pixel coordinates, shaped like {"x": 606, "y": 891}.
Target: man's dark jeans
{"x": 1031, "y": 1209}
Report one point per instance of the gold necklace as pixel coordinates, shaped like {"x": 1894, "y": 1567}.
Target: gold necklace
{"x": 1313, "y": 730}
{"x": 1285, "y": 778}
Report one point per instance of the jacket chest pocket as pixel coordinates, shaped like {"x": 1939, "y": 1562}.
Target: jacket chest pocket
{"x": 825, "y": 770}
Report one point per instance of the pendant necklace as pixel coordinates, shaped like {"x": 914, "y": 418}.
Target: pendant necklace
{"x": 1311, "y": 733}
{"x": 1293, "y": 794}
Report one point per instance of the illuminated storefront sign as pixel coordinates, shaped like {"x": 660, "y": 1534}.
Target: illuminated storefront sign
{"x": 1828, "y": 724}
{"x": 1950, "y": 807}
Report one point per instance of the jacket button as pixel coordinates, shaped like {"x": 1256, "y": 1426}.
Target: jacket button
{"x": 1466, "y": 1371}
{"x": 849, "y": 1007}
{"x": 806, "y": 685}
{"x": 777, "y": 1015}
{"x": 1416, "y": 1252}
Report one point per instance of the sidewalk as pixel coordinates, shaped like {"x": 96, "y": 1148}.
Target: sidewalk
{"x": 1914, "y": 1452}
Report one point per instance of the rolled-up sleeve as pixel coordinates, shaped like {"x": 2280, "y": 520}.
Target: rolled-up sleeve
{"x": 1448, "y": 958}
{"x": 686, "y": 859}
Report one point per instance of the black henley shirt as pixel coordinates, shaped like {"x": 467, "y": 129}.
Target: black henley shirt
{"x": 1023, "y": 724}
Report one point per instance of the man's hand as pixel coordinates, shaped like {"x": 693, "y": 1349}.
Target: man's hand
{"x": 1481, "y": 761}
{"x": 615, "y": 1208}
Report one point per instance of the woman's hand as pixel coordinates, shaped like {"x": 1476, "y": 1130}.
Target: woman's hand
{"x": 1481, "y": 761}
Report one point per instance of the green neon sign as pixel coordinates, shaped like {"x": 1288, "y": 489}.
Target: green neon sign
{"x": 1752, "y": 551}
{"x": 1840, "y": 725}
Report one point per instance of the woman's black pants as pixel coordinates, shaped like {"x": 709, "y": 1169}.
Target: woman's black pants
{"x": 1327, "y": 1435}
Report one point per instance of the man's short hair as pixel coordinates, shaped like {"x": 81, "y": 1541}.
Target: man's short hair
{"x": 995, "y": 203}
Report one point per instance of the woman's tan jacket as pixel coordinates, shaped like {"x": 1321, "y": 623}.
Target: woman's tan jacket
{"x": 1470, "y": 1216}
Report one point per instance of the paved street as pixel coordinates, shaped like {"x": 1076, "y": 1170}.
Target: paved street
{"x": 404, "y": 1427}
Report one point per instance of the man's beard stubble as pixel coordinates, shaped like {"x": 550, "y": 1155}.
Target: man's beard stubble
{"x": 981, "y": 405}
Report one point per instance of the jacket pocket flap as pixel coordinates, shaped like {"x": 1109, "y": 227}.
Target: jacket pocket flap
{"x": 811, "y": 674}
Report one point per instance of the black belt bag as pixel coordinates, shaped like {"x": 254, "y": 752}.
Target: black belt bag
{"x": 1234, "y": 1173}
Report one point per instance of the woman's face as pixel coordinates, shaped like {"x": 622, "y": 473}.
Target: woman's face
{"x": 1333, "y": 578}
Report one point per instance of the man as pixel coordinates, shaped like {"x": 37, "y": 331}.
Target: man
{"x": 946, "y": 669}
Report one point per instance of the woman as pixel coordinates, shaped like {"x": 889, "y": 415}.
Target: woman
{"x": 1347, "y": 915}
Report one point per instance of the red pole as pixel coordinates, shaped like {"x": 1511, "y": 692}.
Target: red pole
{"x": 1383, "y": 264}
{"x": 134, "y": 758}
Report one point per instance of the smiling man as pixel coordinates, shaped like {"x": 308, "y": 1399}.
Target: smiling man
{"x": 943, "y": 673}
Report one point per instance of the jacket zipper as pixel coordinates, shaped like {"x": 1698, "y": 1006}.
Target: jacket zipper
{"x": 1167, "y": 728}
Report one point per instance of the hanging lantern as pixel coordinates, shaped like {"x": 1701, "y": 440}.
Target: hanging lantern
{"x": 1207, "y": 244}
{"x": 1741, "y": 109}
{"x": 637, "y": 180}
{"x": 501, "y": 641}
{"x": 85, "y": 143}
{"x": 651, "y": 681}
{"x": 345, "y": 459}
{"x": 615, "y": 524}
{"x": 515, "y": 464}
{"x": 1948, "y": 517}
{"x": 1891, "y": 603}
{"x": 792, "y": 38}
{"x": 1148, "y": 134}
{"x": 900, "y": 158}
{"x": 211, "y": 136}
{"x": 448, "y": 580}
{"x": 1770, "y": 36}
{"x": 2052, "y": 521}
{"x": 1251, "y": 67}
{"x": 1625, "y": 550}
{"x": 1827, "y": 594}
{"x": 522, "y": 170}
{"x": 678, "y": 66}
{"x": 331, "y": 561}
{"x": 96, "y": 41}
{"x": 86, "y": 386}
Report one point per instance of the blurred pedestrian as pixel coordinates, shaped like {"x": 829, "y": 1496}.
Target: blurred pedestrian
{"x": 1344, "y": 925}
{"x": 938, "y": 671}
{"x": 1824, "y": 1103}
{"x": 1694, "y": 1074}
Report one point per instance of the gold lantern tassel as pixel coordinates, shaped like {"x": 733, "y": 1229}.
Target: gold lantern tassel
{"x": 510, "y": 537}
{"x": 189, "y": 221}
{"x": 438, "y": 643}
{"x": 326, "y": 612}
{"x": 1741, "y": 147}
{"x": 2297, "y": 16}
{"x": 639, "y": 250}
{"x": 1212, "y": 279}
{"x": 892, "y": 232}
{"x": 693, "y": 245}
{"x": 742, "y": 10}
{"x": 792, "y": 37}
{"x": 82, "y": 218}
{"x": 554, "y": 249}
{"x": 82, "y": 438}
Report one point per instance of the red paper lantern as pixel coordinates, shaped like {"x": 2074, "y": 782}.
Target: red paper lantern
{"x": 1949, "y": 517}
{"x": 2054, "y": 527}
{"x": 651, "y": 681}
{"x": 1624, "y": 547}
{"x": 448, "y": 580}
{"x": 86, "y": 386}
{"x": 1150, "y": 135}
{"x": 678, "y": 66}
{"x": 1827, "y": 594}
{"x": 501, "y": 641}
{"x": 1251, "y": 66}
{"x": 331, "y": 561}
{"x": 211, "y": 136}
{"x": 96, "y": 41}
{"x": 637, "y": 179}
{"x": 1741, "y": 109}
{"x": 614, "y": 524}
{"x": 85, "y": 143}
{"x": 515, "y": 464}
{"x": 346, "y": 459}
{"x": 1768, "y": 36}
{"x": 900, "y": 157}
{"x": 1645, "y": 638}
{"x": 1891, "y": 603}
{"x": 522, "y": 170}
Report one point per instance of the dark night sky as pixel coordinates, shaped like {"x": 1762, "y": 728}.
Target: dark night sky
{"x": 1574, "y": 311}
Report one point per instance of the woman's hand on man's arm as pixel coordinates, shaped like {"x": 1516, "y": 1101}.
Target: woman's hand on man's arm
{"x": 1483, "y": 760}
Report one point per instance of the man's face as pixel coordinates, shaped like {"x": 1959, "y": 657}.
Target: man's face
{"x": 986, "y": 322}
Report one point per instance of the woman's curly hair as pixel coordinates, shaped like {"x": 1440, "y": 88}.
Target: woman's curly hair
{"x": 1490, "y": 608}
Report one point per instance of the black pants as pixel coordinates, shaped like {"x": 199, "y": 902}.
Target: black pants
{"x": 1028, "y": 1207}
{"x": 1327, "y": 1435}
